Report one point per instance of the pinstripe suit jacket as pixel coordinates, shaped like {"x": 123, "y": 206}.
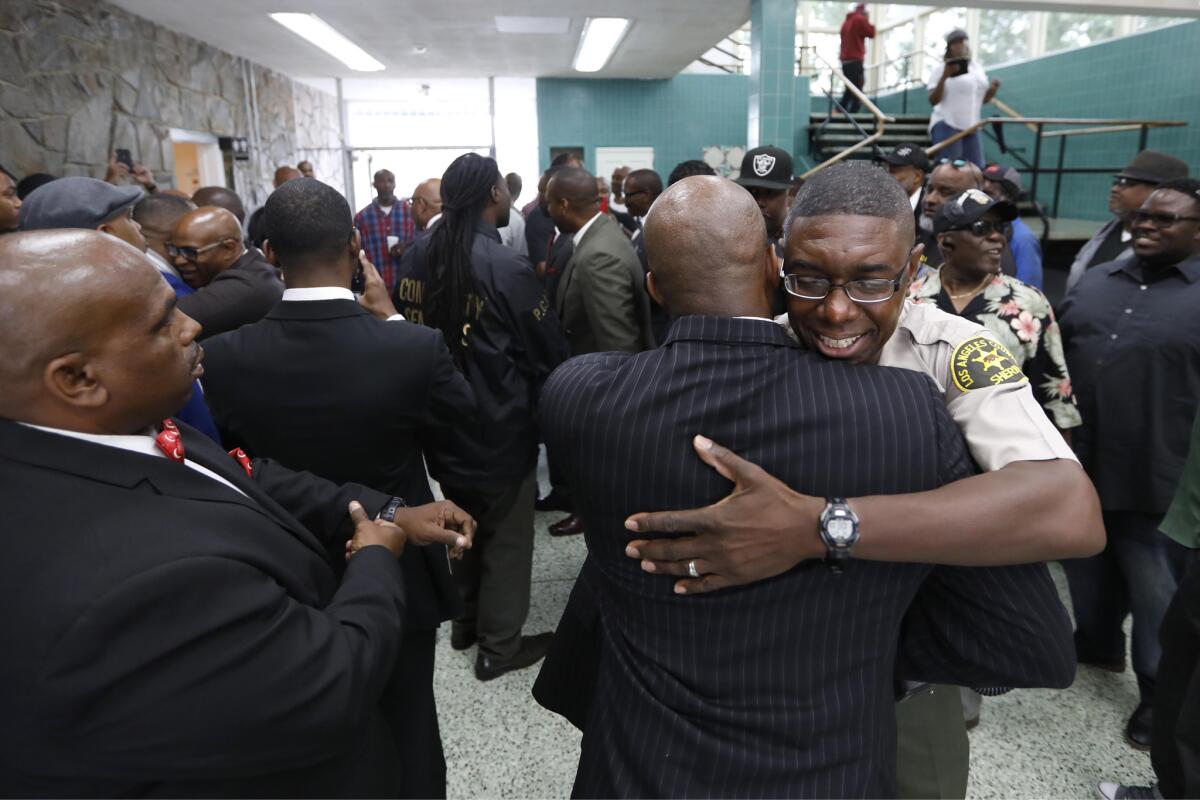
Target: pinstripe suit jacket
{"x": 782, "y": 688}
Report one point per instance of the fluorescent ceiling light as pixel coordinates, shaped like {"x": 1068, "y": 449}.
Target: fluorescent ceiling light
{"x": 552, "y": 25}
{"x": 600, "y": 38}
{"x": 326, "y": 37}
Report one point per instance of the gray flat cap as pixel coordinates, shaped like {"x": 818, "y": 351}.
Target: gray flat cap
{"x": 75, "y": 203}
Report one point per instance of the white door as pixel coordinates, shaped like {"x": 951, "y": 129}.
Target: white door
{"x": 609, "y": 158}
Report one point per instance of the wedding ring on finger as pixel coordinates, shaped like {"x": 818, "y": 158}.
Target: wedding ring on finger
{"x": 695, "y": 573}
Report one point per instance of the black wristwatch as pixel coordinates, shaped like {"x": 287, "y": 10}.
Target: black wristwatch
{"x": 389, "y": 511}
{"x": 839, "y": 532}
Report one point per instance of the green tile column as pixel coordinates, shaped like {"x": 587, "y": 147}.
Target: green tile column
{"x": 772, "y": 102}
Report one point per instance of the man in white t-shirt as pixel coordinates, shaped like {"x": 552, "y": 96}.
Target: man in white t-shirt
{"x": 958, "y": 89}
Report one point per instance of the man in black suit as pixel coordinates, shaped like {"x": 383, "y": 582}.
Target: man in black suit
{"x": 234, "y": 284}
{"x": 174, "y": 627}
{"x": 781, "y": 688}
{"x": 321, "y": 385}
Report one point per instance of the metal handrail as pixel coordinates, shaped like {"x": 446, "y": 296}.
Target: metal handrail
{"x": 1108, "y": 125}
{"x": 881, "y": 120}
{"x": 1091, "y": 127}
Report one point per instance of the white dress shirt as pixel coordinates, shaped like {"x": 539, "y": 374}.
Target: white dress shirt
{"x": 143, "y": 444}
{"x": 579, "y": 233}
{"x": 325, "y": 293}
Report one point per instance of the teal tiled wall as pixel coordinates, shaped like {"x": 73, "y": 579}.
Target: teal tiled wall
{"x": 677, "y": 117}
{"x": 1153, "y": 75}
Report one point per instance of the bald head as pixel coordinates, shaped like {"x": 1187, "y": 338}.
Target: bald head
{"x": 208, "y": 241}
{"x": 707, "y": 246}
{"x": 221, "y": 197}
{"x": 78, "y": 311}
{"x": 285, "y": 174}
{"x": 426, "y": 202}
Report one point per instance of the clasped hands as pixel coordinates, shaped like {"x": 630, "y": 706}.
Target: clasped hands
{"x": 760, "y": 530}
{"x": 433, "y": 523}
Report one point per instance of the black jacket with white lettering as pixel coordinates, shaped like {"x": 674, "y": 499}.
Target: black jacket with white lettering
{"x": 514, "y": 341}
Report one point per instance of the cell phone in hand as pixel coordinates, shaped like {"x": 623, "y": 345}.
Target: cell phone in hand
{"x": 358, "y": 283}
{"x": 125, "y": 157}
{"x": 958, "y": 66}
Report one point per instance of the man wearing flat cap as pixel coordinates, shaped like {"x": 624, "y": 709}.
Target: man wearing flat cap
{"x": 89, "y": 204}
{"x": 1131, "y": 186}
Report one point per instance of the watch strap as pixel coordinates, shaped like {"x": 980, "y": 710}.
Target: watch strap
{"x": 388, "y": 514}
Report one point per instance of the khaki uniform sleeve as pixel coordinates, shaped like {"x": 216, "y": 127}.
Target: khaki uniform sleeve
{"x": 987, "y": 394}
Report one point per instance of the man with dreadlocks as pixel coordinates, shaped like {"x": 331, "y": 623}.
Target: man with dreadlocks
{"x": 487, "y": 301}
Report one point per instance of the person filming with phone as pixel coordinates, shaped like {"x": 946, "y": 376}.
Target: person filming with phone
{"x": 958, "y": 90}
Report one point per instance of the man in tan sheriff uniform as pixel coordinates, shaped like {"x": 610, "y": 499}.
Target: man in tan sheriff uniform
{"x": 850, "y": 258}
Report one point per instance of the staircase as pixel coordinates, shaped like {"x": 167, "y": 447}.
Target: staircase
{"x": 827, "y": 139}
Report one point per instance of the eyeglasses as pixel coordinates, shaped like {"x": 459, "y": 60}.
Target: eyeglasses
{"x": 1123, "y": 181}
{"x": 957, "y": 163}
{"x": 192, "y": 253}
{"x": 637, "y": 192}
{"x": 983, "y": 227}
{"x": 863, "y": 290}
{"x": 1160, "y": 220}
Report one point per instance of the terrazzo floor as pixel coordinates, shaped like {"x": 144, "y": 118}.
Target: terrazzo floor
{"x": 1029, "y": 744}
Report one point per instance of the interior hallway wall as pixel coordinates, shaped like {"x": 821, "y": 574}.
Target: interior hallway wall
{"x": 1152, "y": 75}
{"x": 677, "y": 117}
{"x": 79, "y": 78}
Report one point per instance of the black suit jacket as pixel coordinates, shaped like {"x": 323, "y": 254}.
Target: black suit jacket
{"x": 784, "y": 687}
{"x": 237, "y": 296}
{"x": 164, "y": 635}
{"x": 324, "y": 386}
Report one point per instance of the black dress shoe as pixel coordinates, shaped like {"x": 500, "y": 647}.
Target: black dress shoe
{"x": 531, "y": 651}
{"x": 462, "y": 638}
{"x": 1139, "y": 727}
{"x": 568, "y": 526}
{"x": 555, "y": 501}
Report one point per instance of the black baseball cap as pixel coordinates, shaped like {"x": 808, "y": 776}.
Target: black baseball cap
{"x": 766, "y": 168}
{"x": 908, "y": 154}
{"x": 963, "y": 209}
{"x": 956, "y": 35}
{"x": 75, "y": 203}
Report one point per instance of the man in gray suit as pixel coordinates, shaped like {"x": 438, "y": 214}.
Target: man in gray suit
{"x": 600, "y": 298}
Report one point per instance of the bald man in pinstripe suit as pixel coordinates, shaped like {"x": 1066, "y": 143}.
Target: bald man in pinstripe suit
{"x": 784, "y": 687}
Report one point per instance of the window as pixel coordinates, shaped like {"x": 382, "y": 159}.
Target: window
{"x": 1076, "y": 30}
{"x": 938, "y": 25}
{"x": 897, "y": 43}
{"x": 827, "y": 15}
{"x": 1003, "y": 36}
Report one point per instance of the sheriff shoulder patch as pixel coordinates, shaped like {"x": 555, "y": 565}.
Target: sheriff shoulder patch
{"x": 980, "y": 362}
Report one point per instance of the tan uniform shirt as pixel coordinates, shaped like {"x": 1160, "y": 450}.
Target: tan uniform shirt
{"x": 986, "y": 393}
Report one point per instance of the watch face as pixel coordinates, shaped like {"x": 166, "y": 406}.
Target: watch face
{"x": 840, "y": 530}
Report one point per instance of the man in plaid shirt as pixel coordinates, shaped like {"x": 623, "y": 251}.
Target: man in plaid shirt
{"x": 386, "y": 216}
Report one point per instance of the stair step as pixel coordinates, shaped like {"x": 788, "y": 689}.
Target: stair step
{"x": 817, "y": 117}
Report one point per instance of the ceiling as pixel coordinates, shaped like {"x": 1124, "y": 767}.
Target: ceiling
{"x": 459, "y": 36}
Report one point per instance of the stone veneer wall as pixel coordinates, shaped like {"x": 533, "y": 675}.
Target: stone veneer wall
{"x": 79, "y": 78}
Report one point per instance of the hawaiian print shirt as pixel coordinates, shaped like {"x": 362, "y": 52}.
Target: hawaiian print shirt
{"x": 1019, "y": 316}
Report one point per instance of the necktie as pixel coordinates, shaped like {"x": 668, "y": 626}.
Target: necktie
{"x": 169, "y": 441}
